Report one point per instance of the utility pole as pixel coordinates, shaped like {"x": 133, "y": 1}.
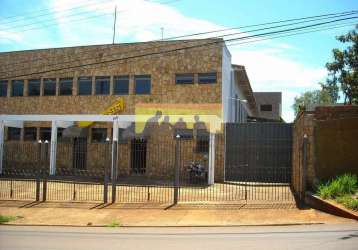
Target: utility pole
{"x": 114, "y": 24}
{"x": 162, "y": 29}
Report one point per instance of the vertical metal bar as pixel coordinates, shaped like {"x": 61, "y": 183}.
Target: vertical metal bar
{"x": 177, "y": 169}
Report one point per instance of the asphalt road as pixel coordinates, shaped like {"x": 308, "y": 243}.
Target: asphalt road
{"x": 325, "y": 237}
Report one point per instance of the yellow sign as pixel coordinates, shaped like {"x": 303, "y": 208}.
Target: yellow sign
{"x": 115, "y": 108}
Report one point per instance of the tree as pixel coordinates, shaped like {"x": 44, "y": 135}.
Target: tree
{"x": 343, "y": 71}
{"x": 311, "y": 98}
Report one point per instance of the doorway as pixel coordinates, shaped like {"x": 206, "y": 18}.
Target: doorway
{"x": 79, "y": 153}
{"x": 138, "y": 156}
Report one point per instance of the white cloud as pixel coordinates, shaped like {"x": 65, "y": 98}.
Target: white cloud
{"x": 10, "y": 36}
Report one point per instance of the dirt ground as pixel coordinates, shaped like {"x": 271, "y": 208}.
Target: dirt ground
{"x": 95, "y": 214}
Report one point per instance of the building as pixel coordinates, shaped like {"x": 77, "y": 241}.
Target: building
{"x": 269, "y": 105}
{"x": 187, "y": 77}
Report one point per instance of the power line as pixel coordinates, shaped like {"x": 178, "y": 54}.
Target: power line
{"x": 178, "y": 49}
{"x": 236, "y": 33}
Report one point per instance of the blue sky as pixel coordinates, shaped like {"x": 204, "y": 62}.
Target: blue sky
{"x": 292, "y": 65}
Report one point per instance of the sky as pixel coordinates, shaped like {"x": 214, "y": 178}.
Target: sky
{"x": 292, "y": 65}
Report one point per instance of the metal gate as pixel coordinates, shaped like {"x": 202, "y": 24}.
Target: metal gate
{"x": 258, "y": 155}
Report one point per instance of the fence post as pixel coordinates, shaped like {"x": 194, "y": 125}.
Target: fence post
{"x": 177, "y": 169}
{"x": 2, "y": 129}
{"x": 114, "y": 170}
{"x": 304, "y": 167}
{"x": 38, "y": 182}
{"x": 44, "y": 187}
{"x": 105, "y": 188}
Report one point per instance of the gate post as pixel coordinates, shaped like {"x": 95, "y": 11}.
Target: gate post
{"x": 177, "y": 169}
{"x": 304, "y": 168}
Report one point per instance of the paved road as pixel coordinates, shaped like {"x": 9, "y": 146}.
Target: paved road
{"x": 325, "y": 237}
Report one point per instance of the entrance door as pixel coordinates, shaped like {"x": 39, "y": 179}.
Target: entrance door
{"x": 79, "y": 153}
{"x": 138, "y": 155}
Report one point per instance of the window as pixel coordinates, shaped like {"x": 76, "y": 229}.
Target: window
{"x": 34, "y": 87}
{"x": 204, "y": 78}
{"x": 99, "y": 135}
{"x": 265, "y": 107}
{"x": 49, "y": 87}
{"x": 13, "y": 134}
{"x": 102, "y": 85}
{"x": 17, "y": 88}
{"x": 3, "y": 88}
{"x": 142, "y": 84}
{"x": 84, "y": 86}
{"x": 66, "y": 86}
{"x": 184, "y": 78}
{"x": 121, "y": 85}
{"x": 30, "y": 134}
{"x": 45, "y": 134}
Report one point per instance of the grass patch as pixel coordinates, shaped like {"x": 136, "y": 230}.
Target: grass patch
{"x": 114, "y": 224}
{"x": 349, "y": 201}
{"x": 342, "y": 185}
{"x": 5, "y": 219}
{"x": 341, "y": 189}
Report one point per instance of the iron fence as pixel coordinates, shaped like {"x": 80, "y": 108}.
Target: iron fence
{"x": 149, "y": 170}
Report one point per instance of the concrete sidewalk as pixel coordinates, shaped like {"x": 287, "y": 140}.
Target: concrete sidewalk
{"x": 91, "y": 214}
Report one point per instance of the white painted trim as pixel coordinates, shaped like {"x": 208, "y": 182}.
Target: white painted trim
{"x": 53, "y": 149}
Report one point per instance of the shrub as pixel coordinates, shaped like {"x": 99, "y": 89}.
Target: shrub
{"x": 342, "y": 185}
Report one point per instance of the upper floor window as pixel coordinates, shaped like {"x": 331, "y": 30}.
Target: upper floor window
{"x": 84, "y": 85}
{"x": 142, "y": 84}
{"x": 204, "y": 78}
{"x": 49, "y": 87}
{"x": 13, "y": 134}
{"x": 99, "y": 135}
{"x": 265, "y": 107}
{"x": 17, "y": 88}
{"x": 33, "y": 87}
{"x": 3, "y": 88}
{"x": 66, "y": 86}
{"x": 184, "y": 78}
{"x": 121, "y": 85}
{"x": 102, "y": 85}
{"x": 30, "y": 134}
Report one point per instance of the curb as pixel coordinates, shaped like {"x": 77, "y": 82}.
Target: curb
{"x": 325, "y": 206}
{"x": 168, "y": 226}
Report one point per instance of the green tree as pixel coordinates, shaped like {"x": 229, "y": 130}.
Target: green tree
{"x": 310, "y": 98}
{"x": 343, "y": 71}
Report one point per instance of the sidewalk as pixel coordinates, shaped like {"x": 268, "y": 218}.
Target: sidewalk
{"x": 83, "y": 214}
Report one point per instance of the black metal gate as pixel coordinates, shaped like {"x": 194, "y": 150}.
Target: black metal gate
{"x": 258, "y": 152}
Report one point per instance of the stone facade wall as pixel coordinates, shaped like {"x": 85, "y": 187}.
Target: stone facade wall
{"x": 164, "y": 90}
{"x": 162, "y": 69}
